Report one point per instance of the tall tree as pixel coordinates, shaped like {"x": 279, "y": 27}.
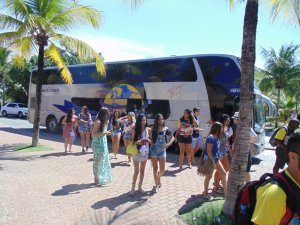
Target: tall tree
{"x": 40, "y": 26}
{"x": 17, "y": 83}
{"x": 242, "y": 148}
{"x": 239, "y": 161}
{"x": 281, "y": 70}
{"x": 4, "y": 63}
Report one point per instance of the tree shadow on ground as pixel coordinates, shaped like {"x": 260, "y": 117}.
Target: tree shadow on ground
{"x": 44, "y": 134}
{"x": 63, "y": 154}
{"x": 4, "y": 149}
{"x": 114, "y": 210}
{"x": 114, "y": 202}
{"x": 196, "y": 201}
{"x": 72, "y": 189}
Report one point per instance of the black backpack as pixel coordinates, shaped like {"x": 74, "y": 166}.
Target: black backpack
{"x": 272, "y": 138}
{"x": 246, "y": 200}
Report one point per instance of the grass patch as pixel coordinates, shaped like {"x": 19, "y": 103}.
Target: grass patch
{"x": 205, "y": 213}
{"x": 30, "y": 148}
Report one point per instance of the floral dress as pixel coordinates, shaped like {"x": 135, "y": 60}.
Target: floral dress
{"x": 101, "y": 164}
{"x": 224, "y": 144}
{"x": 70, "y": 127}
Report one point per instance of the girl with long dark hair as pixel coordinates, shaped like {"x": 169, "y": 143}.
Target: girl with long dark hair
{"x": 85, "y": 128}
{"x": 141, "y": 138}
{"x": 69, "y": 122}
{"x": 212, "y": 153}
{"x": 101, "y": 165}
{"x": 184, "y": 136}
{"x": 224, "y": 119}
{"x": 116, "y": 133}
{"x": 159, "y": 137}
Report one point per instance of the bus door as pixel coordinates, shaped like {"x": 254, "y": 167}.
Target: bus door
{"x": 135, "y": 105}
{"x": 231, "y": 105}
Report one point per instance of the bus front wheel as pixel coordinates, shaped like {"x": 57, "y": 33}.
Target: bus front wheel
{"x": 52, "y": 125}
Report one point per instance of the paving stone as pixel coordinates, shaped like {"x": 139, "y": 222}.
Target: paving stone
{"x": 50, "y": 187}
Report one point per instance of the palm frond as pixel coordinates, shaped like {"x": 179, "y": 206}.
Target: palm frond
{"x": 22, "y": 48}
{"x": 83, "y": 50}
{"x": 290, "y": 9}
{"x": 27, "y": 47}
{"x": 55, "y": 7}
{"x": 17, "y": 8}
{"x": 18, "y": 61}
{"x": 7, "y": 38}
{"x": 9, "y": 22}
{"x": 77, "y": 15}
{"x": 133, "y": 3}
{"x": 4, "y": 53}
{"x": 54, "y": 55}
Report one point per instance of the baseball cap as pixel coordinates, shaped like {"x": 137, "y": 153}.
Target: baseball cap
{"x": 235, "y": 116}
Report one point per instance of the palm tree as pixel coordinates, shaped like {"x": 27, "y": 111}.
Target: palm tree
{"x": 4, "y": 54}
{"x": 239, "y": 161}
{"x": 40, "y": 26}
{"x": 293, "y": 90}
{"x": 281, "y": 70}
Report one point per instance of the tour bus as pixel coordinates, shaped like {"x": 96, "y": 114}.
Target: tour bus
{"x": 161, "y": 85}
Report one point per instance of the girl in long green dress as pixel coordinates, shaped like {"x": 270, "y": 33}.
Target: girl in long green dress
{"x": 101, "y": 165}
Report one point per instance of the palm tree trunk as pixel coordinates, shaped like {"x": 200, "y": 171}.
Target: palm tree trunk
{"x": 297, "y": 98}
{"x": 36, "y": 123}
{"x": 242, "y": 146}
{"x": 277, "y": 105}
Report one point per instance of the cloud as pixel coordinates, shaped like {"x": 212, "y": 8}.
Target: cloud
{"x": 114, "y": 49}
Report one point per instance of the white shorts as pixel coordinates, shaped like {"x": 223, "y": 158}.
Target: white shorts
{"x": 197, "y": 143}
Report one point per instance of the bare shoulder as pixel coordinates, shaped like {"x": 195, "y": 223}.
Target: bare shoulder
{"x": 97, "y": 123}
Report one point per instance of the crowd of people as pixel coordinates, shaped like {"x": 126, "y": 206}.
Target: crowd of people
{"x": 152, "y": 143}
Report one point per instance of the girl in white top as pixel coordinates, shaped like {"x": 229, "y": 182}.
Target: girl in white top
{"x": 128, "y": 123}
{"x": 141, "y": 138}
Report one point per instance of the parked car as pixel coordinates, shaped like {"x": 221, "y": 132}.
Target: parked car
{"x": 17, "y": 109}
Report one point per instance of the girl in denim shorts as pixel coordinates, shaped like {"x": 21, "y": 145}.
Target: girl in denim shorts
{"x": 85, "y": 127}
{"x": 116, "y": 133}
{"x": 184, "y": 136}
{"x": 160, "y": 134}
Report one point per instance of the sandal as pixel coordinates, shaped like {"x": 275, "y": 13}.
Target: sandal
{"x": 96, "y": 181}
{"x": 154, "y": 189}
{"x": 131, "y": 193}
{"x": 218, "y": 191}
{"x": 141, "y": 189}
{"x": 206, "y": 196}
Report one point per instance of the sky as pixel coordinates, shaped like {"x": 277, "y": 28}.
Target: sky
{"x": 161, "y": 28}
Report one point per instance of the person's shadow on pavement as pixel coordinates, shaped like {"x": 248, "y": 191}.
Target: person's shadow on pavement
{"x": 71, "y": 189}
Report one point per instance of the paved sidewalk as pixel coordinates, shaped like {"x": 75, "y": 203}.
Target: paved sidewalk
{"x": 53, "y": 188}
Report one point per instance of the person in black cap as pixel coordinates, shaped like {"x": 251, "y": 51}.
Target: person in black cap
{"x": 281, "y": 139}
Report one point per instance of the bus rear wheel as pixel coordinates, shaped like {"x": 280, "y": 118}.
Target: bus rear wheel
{"x": 52, "y": 125}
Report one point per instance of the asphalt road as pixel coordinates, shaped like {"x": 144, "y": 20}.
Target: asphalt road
{"x": 23, "y": 127}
